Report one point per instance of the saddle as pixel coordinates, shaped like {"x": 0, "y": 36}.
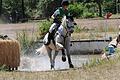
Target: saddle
{"x": 47, "y": 39}
{"x": 50, "y": 36}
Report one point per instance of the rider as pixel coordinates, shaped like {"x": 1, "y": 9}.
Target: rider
{"x": 57, "y": 18}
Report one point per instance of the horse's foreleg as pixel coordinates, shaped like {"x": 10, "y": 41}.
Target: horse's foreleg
{"x": 67, "y": 47}
{"x": 69, "y": 57}
{"x": 63, "y": 55}
{"x": 69, "y": 61}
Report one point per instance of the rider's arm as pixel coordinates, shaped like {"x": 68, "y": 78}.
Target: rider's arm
{"x": 56, "y": 13}
{"x": 52, "y": 17}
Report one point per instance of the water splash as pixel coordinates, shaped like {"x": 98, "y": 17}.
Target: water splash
{"x": 41, "y": 63}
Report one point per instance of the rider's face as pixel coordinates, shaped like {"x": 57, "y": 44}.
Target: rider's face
{"x": 65, "y": 7}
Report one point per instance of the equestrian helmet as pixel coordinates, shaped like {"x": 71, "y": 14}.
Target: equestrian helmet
{"x": 65, "y": 2}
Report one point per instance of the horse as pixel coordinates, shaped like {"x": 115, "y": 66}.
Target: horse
{"x": 62, "y": 42}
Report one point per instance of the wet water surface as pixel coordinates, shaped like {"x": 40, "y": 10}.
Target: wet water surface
{"x": 41, "y": 63}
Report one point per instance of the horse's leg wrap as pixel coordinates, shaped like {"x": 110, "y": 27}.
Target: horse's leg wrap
{"x": 52, "y": 64}
{"x": 70, "y": 63}
{"x": 63, "y": 55}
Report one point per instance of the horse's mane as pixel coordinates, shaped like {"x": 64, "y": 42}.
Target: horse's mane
{"x": 64, "y": 21}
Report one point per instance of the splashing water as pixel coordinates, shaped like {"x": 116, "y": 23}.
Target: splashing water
{"x": 41, "y": 62}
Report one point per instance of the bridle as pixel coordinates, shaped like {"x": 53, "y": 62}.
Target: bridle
{"x": 67, "y": 32}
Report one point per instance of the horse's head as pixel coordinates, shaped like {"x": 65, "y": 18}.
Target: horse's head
{"x": 70, "y": 24}
{"x": 67, "y": 26}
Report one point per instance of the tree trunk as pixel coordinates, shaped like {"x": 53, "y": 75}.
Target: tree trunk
{"x": 100, "y": 9}
{"x": 115, "y": 9}
{"x": 0, "y": 7}
{"x": 118, "y": 6}
{"x": 23, "y": 10}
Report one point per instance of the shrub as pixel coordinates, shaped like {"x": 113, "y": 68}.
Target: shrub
{"x": 76, "y": 9}
{"x": 43, "y": 27}
{"x": 84, "y": 10}
{"x": 46, "y": 8}
{"x": 77, "y": 29}
{"x": 24, "y": 39}
{"x": 88, "y": 15}
{"x": 3, "y": 68}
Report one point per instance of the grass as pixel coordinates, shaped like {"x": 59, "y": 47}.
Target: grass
{"x": 100, "y": 62}
{"x": 115, "y": 16}
{"x": 100, "y": 32}
{"x": 1, "y": 21}
{"x": 95, "y": 69}
{"x": 25, "y": 40}
{"x": 92, "y": 35}
{"x": 107, "y": 70}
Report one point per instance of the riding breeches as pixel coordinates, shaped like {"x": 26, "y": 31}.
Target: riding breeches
{"x": 54, "y": 28}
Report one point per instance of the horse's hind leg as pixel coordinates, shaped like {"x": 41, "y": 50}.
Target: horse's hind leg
{"x": 51, "y": 60}
{"x": 54, "y": 56}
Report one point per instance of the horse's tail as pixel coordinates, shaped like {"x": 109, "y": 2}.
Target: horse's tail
{"x": 42, "y": 50}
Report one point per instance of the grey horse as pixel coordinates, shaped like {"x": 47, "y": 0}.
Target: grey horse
{"x": 62, "y": 42}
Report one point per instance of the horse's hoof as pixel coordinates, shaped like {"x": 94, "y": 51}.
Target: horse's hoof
{"x": 52, "y": 67}
{"x": 71, "y": 66}
{"x": 63, "y": 58}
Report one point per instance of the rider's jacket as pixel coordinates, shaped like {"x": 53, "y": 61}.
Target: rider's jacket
{"x": 59, "y": 13}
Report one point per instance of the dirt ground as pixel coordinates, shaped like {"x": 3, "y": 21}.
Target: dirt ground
{"x": 92, "y": 23}
{"x": 11, "y": 29}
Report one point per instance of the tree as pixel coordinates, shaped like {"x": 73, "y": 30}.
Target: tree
{"x": 0, "y": 6}
{"x": 115, "y": 6}
{"x": 23, "y": 9}
{"x": 47, "y": 7}
{"x": 118, "y": 4}
{"x": 13, "y": 9}
{"x": 98, "y": 2}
